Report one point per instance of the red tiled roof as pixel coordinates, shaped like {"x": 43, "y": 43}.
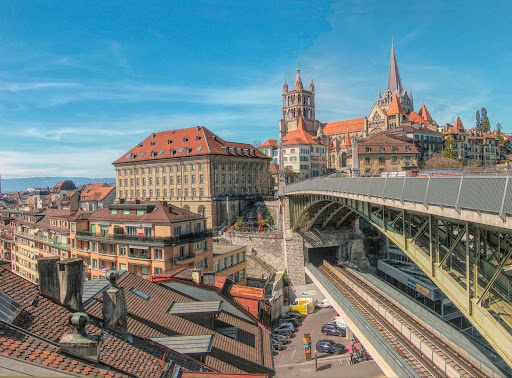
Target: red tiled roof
{"x": 416, "y": 118}
{"x": 456, "y": 128}
{"x": 395, "y": 107}
{"x": 387, "y": 142}
{"x": 274, "y": 169}
{"x": 95, "y": 192}
{"x": 299, "y": 136}
{"x": 338, "y": 127}
{"x": 269, "y": 143}
{"x": 160, "y": 213}
{"x": 49, "y": 321}
{"x": 192, "y": 141}
{"x": 424, "y": 113}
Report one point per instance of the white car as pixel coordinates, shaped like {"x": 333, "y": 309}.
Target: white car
{"x": 324, "y": 304}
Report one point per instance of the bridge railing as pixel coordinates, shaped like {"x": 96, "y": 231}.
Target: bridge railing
{"x": 490, "y": 194}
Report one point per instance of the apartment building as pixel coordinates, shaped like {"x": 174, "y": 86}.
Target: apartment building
{"x": 194, "y": 169}
{"x": 142, "y": 238}
{"x": 230, "y": 261}
{"x": 7, "y": 223}
{"x": 40, "y": 234}
{"x": 484, "y": 149}
{"x": 96, "y": 196}
{"x": 383, "y": 153}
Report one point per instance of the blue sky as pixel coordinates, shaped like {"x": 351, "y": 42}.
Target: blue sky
{"x": 83, "y": 82}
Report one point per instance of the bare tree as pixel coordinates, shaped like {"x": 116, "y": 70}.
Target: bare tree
{"x": 439, "y": 161}
{"x": 265, "y": 181}
{"x": 257, "y": 142}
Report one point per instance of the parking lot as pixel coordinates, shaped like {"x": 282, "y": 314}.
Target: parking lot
{"x": 291, "y": 361}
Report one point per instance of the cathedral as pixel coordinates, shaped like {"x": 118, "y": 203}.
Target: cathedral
{"x": 392, "y": 112}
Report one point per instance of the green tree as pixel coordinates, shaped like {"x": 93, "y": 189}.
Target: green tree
{"x": 485, "y": 125}
{"x": 448, "y": 149}
{"x": 499, "y": 134}
{"x": 478, "y": 120}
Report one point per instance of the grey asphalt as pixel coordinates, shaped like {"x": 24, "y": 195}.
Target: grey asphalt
{"x": 291, "y": 362}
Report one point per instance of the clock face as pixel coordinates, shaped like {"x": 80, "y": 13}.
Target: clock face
{"x": 375, "y": 131}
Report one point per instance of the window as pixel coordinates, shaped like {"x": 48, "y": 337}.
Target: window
{"x": 94, "y": 264}
{"x": 147, "y": 232}
{"x": 185, "y": 167}
{"x": 157, "y": 253}
{"x": 177, "y": 230}
{"x": 201, "y": 179}
{"x": 130, "y": 230}
{"x": 122, "y": 250}
{"x": 165, "y": 180}
{"x": 193, "y": 179}
{"x": 367, "y": 149}
{"x": 151, "y": 181}
{"x": 72, "y": 227}
{"x": 171, "y": 180}
{"x": 201, "y": 192}
{"x": 186, "y": 179}
{"x": 140, "y": 294}
{"x": 158, "y": 180}
{"x": 157, "y": 270}
{"x": 186, "y": 193}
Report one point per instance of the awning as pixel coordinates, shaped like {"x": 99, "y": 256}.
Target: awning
{"x": 138, "y": 247}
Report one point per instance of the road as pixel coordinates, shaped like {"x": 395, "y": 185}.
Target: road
{"x": 291, "y": 362}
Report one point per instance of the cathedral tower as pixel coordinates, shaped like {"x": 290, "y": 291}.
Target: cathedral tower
{"x": 394, "y": 87}
{"x": 297, "y": 103}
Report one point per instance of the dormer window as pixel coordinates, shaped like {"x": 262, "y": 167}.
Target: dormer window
{"x": 185, "y": 139}
{"x": 152, "y": 144}
{"x": 198, "y": 137}
{"x": 172, "y": 152}
{"x": 154, "y": 153}
{"x": 169, "y": 141}
{"x": 189, "y": 150}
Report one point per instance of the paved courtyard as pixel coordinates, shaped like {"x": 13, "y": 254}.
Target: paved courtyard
{"x": 291, "y": 361}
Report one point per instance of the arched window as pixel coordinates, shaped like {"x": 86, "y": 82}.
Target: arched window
{"x": 201, "y": 210}
{"x": 186, "y": 207}
{"x": 309, "y": 100}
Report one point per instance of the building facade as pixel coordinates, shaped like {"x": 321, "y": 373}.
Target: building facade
{"x": 230, "y": 261}
{"x": 142, "y": 238}
{"x": 194, "y": 169}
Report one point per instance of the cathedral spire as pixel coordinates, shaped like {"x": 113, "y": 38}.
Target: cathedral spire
{"x": 379, "y": 96}
{"x": 394, "y": 82}
{"x": 285, "y": 86}
{"x": 298, "y": 82}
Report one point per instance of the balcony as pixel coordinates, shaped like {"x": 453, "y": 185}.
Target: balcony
{"x": 146, "y": 240}
{"x": 139, "y": 256}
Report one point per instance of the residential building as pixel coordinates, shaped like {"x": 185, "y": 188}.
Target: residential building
{"x": 484, "y": 149}
{"x": 40, "y": 234}
{"x": 384, "y": 153}
{"x": 429, "y": 141}
{"x": 143, "y": 238}
{"x": 459, "y": 140}
{"x": 271, "y": 149}
{"x": 289, "y": 176}
{"x": 96, "y": 196}
{"x": 230, "y": 261}
{"x": 7, "y": 226}
{"x": 194, "y": 169}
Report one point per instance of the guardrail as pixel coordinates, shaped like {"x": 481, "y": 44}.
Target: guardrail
{"x": 183, "y": 238}
{"x": 491, "y": 194}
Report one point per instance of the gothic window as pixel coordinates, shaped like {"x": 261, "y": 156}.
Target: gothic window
{"x": 309, "y": 114}
{"x": 309, "y": 101}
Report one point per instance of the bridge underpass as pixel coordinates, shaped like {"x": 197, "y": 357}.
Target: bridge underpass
{"x": 460, "y": 238}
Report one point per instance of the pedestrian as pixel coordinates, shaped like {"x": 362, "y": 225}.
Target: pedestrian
{"x": 351, "y": 358}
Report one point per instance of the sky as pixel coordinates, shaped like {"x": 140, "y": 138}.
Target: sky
{"x": 82, "y": 82}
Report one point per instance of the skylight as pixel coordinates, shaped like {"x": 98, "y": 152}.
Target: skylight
{"x": 9, "y": 309}
{"x": 128, "y": 156}
{"x": 161, "y": 152}
{"x": 199, "y": 148}
{"x": 142, "y": 154}
{"x": 181, "y": 150}
{"x": 140, "y": 294}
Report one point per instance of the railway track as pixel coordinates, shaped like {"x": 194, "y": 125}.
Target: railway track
{"x": 423, "y": 365}
{"x": 408, "y": 352}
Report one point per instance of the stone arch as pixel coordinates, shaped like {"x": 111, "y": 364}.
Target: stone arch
{"x": 201, "y": 210}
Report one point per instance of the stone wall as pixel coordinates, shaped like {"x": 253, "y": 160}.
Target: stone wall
{"x": 264, "y": 251}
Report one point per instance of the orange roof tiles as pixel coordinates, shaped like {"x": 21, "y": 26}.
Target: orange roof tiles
{"x": 191, "y": 141}
{"x": 338, "y": 127}
{"x": 416, "y": 118}
{"x": 395, "y": 107}
{"x": 269, "y": 143}
{"x": 299, "y": 136}
{"x": 95, "y": 192}
{"x": 424, "y": 113}
{"x": 386, "y": 142}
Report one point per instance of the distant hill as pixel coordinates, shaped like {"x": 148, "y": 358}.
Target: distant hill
{"x": 19, "y": 184}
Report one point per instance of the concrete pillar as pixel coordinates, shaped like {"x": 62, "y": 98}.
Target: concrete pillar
{"x": 294, "y": 258}
{"x": 49, "y": 278}
{"x": 71, "y": 276}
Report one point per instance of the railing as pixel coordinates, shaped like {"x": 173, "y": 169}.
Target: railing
{"x": 136, "y": 256}
{"x": 183, "y": 238}
{"x": 186, "y": 257}
{"x": 491, "y": 194}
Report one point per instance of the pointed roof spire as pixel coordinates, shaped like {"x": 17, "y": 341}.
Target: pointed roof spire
{"x": 458, "y": 125}
{"x": 285, "y": 86}
{"x": 424, "y": 113}
{"x": 394, "y": 82}
{"x": 379, "y": 95}
{"x": 395, "y": 107}
{"x": 298, "y": 82}
{"x": 312, "y": 86}
{"x": 348, "y": 141}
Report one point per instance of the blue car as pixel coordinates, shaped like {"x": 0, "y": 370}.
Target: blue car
{"x": 289, "y": 326}
{"x": 329, "y": 346}
{"x": 332, "y": 330}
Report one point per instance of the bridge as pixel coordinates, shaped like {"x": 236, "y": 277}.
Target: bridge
{"x": 457, "y": 230}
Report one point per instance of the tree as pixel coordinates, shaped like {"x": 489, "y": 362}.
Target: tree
{"x": 440, "y": 161}
{"x": 448, "y": 149}
{"x": 485, "y": 125}
{"x": 265, "y": 180}
{"x": 257, "y": 142}
{"x": 478, "y": 120}
{"x": 240, "y": 223}
{"x": 499, "y": 134}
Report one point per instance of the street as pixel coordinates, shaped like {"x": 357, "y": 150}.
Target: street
{"x": 291, "y": 361}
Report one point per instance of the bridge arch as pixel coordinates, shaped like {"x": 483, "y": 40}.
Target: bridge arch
{"x": 454, "y": 254}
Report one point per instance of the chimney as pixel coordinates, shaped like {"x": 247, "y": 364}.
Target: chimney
{"x": 115, "y": 313}
{"x": 196, "y": 275}
{"x": 209, "y": 278}
{"x": 71, "y": 277}
{"x": 48, "y": 278}
{"x": 78, "y": 342}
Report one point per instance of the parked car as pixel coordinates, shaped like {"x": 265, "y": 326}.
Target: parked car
{"x": 293, "y": 313}
{"x": 333, "y": 330}
{"x": 277, "y": 345}
{"x": 282, "y": 338}
{"x": 283, "y": 332}
{"x": 292, "y": 320}
{"x": 329, "y": 346}
{"x": 324, "y": 304}
{"x": 289, "y": 326}
{"x": 339, "y": 322}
